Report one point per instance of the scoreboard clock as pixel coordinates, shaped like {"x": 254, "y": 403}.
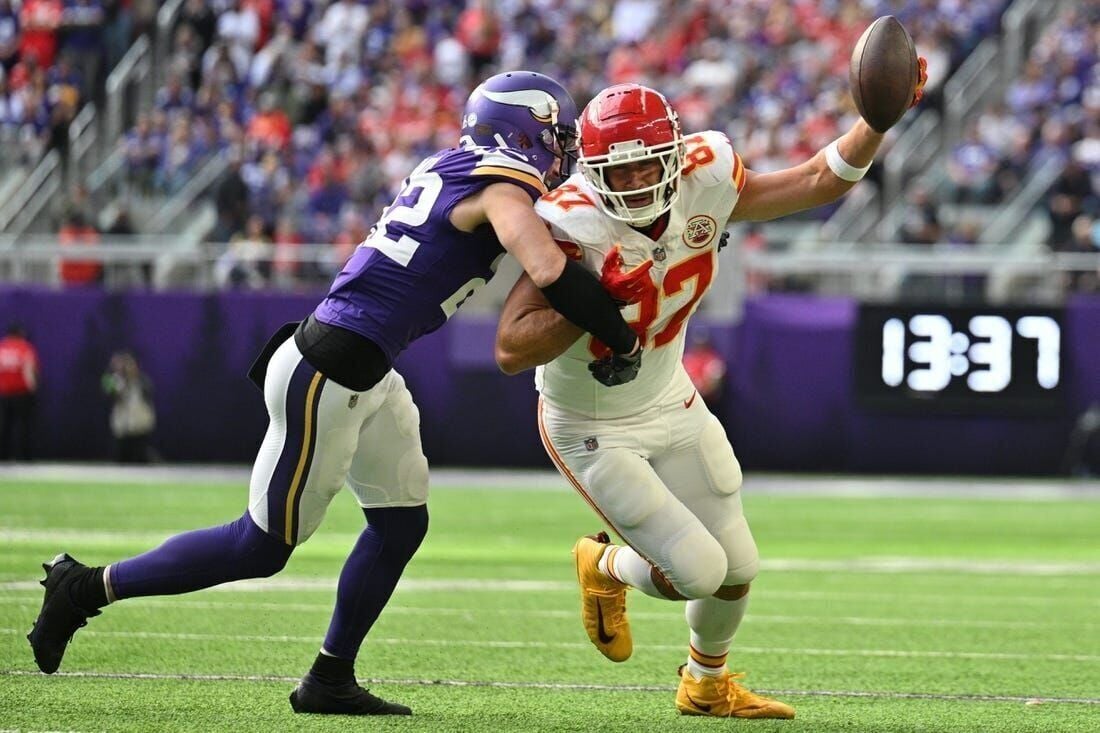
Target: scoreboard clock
{"x": 963, "y": 360}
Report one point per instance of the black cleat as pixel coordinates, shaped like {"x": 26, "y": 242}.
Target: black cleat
{"x": 348, "y": 698}
{"x": 60, "y": 617}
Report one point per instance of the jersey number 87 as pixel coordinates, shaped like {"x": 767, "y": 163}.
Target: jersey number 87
{"x": 699, "y": 269}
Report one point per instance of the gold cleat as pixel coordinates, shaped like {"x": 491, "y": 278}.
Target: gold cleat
{"x": 603, "y": 600}
{"x": 721, "y": 697}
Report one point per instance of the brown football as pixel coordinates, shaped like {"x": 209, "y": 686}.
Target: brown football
{"x": 883, "y": 73}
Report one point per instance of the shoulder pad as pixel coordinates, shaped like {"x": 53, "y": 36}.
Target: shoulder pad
{"x": 711, "y": 161}
{"x": 508, "y": 165}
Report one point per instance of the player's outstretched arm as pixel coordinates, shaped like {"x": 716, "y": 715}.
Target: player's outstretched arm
{"x": 820, "y": 180}
{"x": 568, "y": 287}
{"x": 530, "y": 332}
{"x": 813, "y": 183}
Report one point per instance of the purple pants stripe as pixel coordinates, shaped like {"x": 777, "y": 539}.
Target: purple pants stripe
{"x": 284, "y": 491}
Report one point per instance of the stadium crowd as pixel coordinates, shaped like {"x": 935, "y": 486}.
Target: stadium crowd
{"x": 1051, "y": 112}
{"x": 53, "y": 55}
{"x": 325, "y": 106}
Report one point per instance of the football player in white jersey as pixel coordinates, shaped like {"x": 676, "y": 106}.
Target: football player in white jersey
{"x": 647, "y": 211}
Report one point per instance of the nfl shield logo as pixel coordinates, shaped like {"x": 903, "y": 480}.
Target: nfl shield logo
{"x": 658, "y": 254}
{"x": 591, "y": 444}
{"x": 353, "y": 401}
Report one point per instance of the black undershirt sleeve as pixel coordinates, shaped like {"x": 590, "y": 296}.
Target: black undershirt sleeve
{"x": 578, "y": 296}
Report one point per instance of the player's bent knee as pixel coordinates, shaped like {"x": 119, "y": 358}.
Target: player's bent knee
{"x": 722, "y": 467}
{"x": 402, "y": 529}
{"x": 624, "y": 488}
{"x": 264, "y": 554}
{"x": 742, "y": 557}
{"x": 699, "y": 565}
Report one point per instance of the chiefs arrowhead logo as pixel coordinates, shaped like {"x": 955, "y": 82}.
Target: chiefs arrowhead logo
{"x": 699, "y": 231}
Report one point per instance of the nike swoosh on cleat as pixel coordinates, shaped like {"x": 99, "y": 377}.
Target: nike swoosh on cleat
{"x": 600, "y": 631}
{"x": 701, "y": 706}
{"x": 688, "y": 402}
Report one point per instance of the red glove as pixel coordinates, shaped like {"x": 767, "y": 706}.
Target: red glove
{"x": 625, "y": 287}
{"x": 922, "y": 79}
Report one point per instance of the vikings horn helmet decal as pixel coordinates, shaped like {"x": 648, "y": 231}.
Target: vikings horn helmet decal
{"x": 523, "y": 111}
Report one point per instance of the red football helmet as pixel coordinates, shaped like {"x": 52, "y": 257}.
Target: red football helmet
{"x": 628, "y": 123}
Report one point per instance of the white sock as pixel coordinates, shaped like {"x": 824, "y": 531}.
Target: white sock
{"x": 625, "y": 565}
{"x": 713, "y": 623}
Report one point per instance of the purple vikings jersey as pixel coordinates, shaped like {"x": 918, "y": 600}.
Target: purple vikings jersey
{"x": 415, "y": 268}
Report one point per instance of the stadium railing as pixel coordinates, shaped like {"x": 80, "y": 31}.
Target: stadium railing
{"x": 969, "y": 88}
{"x": 1022, "y": 24}
{"x": 865, "y": 270}
{"x": 129, "y": 88}
{"x": 913, "y": 152}
{"x": 30, "y": 198}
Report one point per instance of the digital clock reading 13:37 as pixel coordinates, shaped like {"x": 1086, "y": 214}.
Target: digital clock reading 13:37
{"x": 964, "y": 359}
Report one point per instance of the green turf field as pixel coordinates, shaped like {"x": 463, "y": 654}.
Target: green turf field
{"x": 886, "y": 614}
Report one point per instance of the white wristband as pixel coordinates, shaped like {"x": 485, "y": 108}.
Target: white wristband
{"x": 841, "y": 167}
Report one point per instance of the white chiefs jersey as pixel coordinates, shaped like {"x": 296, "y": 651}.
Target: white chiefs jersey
{"x": 685, "y": 261}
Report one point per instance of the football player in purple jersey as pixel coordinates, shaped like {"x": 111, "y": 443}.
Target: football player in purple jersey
{"x": 339, "y": 414}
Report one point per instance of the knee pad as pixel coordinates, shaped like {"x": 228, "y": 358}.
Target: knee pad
{"x": 401, "y": 529}
{"x": 624, "y": 488}
{"x": 698, "y": 563}
{"x": 742, "y": 557}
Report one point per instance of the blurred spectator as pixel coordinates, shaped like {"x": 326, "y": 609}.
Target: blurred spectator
{"x": 76, "y": 232}
{"x": 230, "y": 202}
{"x": 82, "y": 38}
{"x": 713, "y": 72}
{"x": 379, "y": 84}
{"x": 969, "y": 287}
{"x": 10, "y": 34}
{"x": 18, "y": 392}
{"x": 133, "y": 416}
{"x": 118, "y": 28}
{"x": 1084, "y": 238}
{"x": 126, "y": 274}
{"x": 246, "y": 262}
{"x": 342, "y": 29}
{"x": 707, "y": 369}
{"x": 41, "y": 20}
{"x": 631, "y": 20}
{"x": 142, "y": 149}
{"x": 920, "y": 223}
{"x": 971, "y": 169}
{"x": 287, "y": 268}
{"x": 239, "y": 28}
{"x": 269, "y": 127}
{"x": 479, "y": 32}
{"x": 198, "y": 16}
{"x": 451, "y": 62}
{"x": 353, "y": 230}
{"x": 1082, "y": 456}
{"x": 1071, "y": 196}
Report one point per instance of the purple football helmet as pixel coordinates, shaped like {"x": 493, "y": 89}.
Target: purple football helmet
{"x": 527, "y": 112}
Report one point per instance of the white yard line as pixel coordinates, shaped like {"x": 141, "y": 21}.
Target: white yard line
{"x": 501, "y": 644}
{"x": 561, "y": 686}
{"x": 921, "y": 597}
{"x": 429, "y": 585}
{"x": 674, "y": 614}
{"x": 971, "y": 487}
{"x": 871, "y": 564}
